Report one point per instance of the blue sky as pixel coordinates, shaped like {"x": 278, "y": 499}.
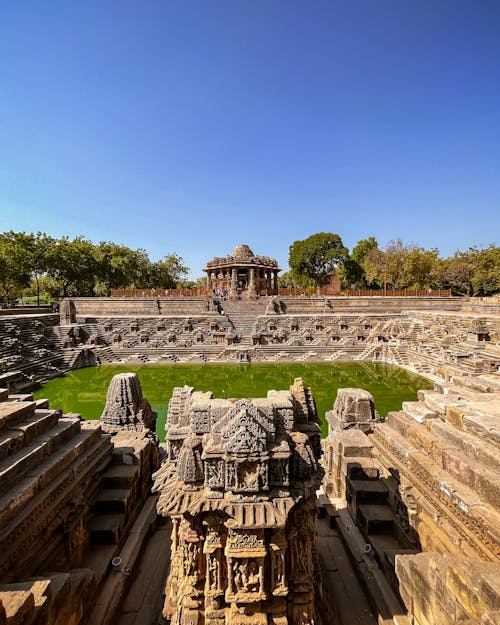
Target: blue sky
{"x": 192, "y": 126}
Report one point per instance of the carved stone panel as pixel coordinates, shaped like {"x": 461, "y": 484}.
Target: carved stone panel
{"x": 214, "y": 473}
{"x": 279, "y": 472}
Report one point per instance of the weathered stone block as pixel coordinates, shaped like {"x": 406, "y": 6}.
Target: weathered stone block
{"x": 471, "y": 445}
{"x": 485, "y": 426}
{"x": 418, "y": 411}
{"x": 354, "y": 443}
{"x": 457, "y": 465}
{"x": 455, "y": 416}
{"x": 358, "y": 468}
{"x": 399, "y": 421}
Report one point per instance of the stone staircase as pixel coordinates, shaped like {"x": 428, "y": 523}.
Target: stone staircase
{"x": 71, "y": 499}
{"x": 243, "y": 315}
{"x": 46, "y": 461}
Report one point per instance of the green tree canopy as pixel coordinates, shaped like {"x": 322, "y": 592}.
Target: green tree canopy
{"x": 72, "y": 265}
{"x": 362, "y": 248}
{"x": 404, "y": 266}
{"x": 15, "y": 269}
{"x": 473, "y": 272}
{"x": 119, "y": 267}
{"x": 168, "y": 272}
{"x": 314, "y": 258}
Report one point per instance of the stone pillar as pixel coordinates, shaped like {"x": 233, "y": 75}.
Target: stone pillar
{"x": 209, "y": 280}
{"x": 275, "y": 277}
{"x": 233, "y": 290}
{"x": 252, "y": 293}
{"x": 67, "y": 312}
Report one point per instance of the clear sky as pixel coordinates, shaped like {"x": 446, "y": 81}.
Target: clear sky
{"x": 191, "y": 126}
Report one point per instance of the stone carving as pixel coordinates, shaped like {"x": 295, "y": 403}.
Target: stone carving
{"x": 67, "y": 312}
{"x": 126, "y": 408}
{"x": 242, "y": 273}
{"x": 214, "y": 473}
{"x": 353, "y": 408}
{"x": 231, "y": 488}
{"x": 275, "y": 306}
{"x": 245, "y": 432}
{"x": 190, "y": 466}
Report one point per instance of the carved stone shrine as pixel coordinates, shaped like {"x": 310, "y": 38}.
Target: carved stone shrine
{"x": 240, "y": 486}
{"x": 126, "y": 408}
{"x": 242, "y": 272}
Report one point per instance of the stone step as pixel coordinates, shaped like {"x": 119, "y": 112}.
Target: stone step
{"x": 21, "y": 461}
{"x": 106, "y": 529}
{"x": 473, "y": 474}
{"x": 459, "y": 494}
{"x": 110, "y": 500}
{"x": 119, "y": 476}
{"x": 367, "y": 491}
{"x": 10, "y": 441}
{"x": 418, "y": 411}
{"x": 17, "y": 544}
{"x": 36, "y": 424}
{"x": 42, "y": 594}
{"x": 44, "y": 474}
{"x": 358, "y": 468}
{"x": 472, "y": 446}
{"x": 375, "y": 519}
{"x": 19, "y": 606}
{"x": 485, "y": 426}
{"x": 12, "y": 412}
{"x": 14, "y": 467}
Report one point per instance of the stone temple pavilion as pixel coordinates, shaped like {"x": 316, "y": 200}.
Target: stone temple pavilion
{"x": 243, "y": 274}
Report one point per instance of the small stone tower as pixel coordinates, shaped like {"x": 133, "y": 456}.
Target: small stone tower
{"x": 126, "y": 408}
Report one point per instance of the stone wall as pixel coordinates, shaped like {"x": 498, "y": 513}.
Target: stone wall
{"x": 420, "y": 334}
{"x": 27, "y": 351}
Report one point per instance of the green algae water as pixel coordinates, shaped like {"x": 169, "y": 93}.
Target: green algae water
{"x": 84, "y": 391}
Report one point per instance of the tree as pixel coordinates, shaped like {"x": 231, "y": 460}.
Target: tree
{"x": 374, "y": 264}
{"x": 167, "y": 273}
{"x": 473, "y": 272}
{"x": 362, "y": 248}
{"x": 286, "y": 280}
{"x": 15, "y": 271}
{"x": 421, "y": 267}
{"x": 72, "y": 264}
{"x": 486, "y": 278}
{"x": 402, "y": 266}
{"x": 119, "y": 267}
{"x": 351, "y": 275}
{"x": 314, "y": 258}
{"x": 39, "y": 247}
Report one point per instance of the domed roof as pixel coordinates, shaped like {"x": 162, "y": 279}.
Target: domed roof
{"x": 242, "y": 251}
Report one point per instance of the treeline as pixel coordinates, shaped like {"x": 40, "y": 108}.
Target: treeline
{"x": 42, "y": 268}
{"x": 398, "y": 265}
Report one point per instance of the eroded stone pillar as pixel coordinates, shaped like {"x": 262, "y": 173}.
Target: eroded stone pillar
{"x": 233, "y": 290}
{"x": 252, "y": 293}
